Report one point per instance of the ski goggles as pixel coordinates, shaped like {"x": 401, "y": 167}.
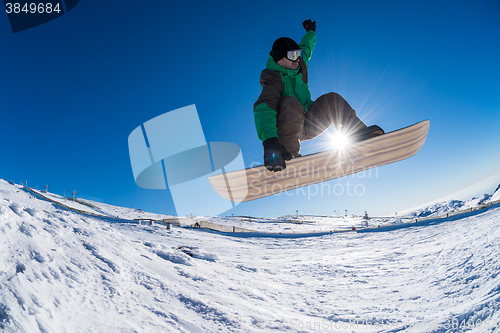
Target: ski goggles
{"x": 294, "y": 55}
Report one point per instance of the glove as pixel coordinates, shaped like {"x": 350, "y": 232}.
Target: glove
{"x": 309, "y": 25}
{"x": 275, "y": 155}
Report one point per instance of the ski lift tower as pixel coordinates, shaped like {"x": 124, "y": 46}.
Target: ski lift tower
{"x": 74, "y": 194}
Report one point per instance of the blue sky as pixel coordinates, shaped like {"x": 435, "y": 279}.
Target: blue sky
{"x": 73, "y": 89}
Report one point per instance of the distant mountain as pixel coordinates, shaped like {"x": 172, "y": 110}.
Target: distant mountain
{"x": 496, "y": 195}
{"x": 453, "y": 206}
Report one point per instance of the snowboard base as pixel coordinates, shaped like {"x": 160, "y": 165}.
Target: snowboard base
{"x": 258, "y": 182}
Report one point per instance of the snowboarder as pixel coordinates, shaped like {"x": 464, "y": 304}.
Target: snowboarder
{"x": 285, "y": 115}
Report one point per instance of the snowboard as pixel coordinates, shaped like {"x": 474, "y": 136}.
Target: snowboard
{"x": 258, "y": 182}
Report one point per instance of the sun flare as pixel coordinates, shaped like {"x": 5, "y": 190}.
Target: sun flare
{"x": 339, "y": 140}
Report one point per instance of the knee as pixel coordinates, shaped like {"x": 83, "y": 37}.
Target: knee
{"x": 331, "y": 98}
{"x": 289, "y": 102}
{"x": 336, "y": 104}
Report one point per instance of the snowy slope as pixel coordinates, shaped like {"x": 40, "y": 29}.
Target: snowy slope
{"x": 62, "y": 271}
{"x": 448, "y": 207}
{"x": 72, "y": 204}
{"x": 124, "y": 213}
{"x": 496, "y": 195}
{"x": 98, "y": 208}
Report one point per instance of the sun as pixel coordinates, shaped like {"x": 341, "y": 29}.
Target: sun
{"x": 335, "y": 140}
{"x": 339, "y": 140}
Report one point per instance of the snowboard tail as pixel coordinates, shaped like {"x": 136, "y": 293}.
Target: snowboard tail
{"x": 258, "y": 182}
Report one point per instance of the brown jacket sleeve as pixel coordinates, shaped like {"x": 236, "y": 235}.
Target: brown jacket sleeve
{"x": 266, "y": 107}
{"x": 272, "y": 88}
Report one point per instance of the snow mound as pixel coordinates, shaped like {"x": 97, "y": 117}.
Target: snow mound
{"x": 64, "y": 271}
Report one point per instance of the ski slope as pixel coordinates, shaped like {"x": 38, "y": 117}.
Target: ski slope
{"x": 64, "y": 271}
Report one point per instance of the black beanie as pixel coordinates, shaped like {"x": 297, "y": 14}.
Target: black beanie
{"x": 281, "y": 46}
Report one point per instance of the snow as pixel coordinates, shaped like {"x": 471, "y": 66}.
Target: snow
{"x": 65, "y": 271}
{"x": 496, "y": 195}
{"x": 450, "y": 206}
{"x": 69, "y": 203}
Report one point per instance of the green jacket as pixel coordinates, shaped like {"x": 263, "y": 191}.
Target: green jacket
{"x": 278, "y": 82}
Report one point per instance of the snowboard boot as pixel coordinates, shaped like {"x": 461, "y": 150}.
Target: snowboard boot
{"x": 367, "y": 133}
